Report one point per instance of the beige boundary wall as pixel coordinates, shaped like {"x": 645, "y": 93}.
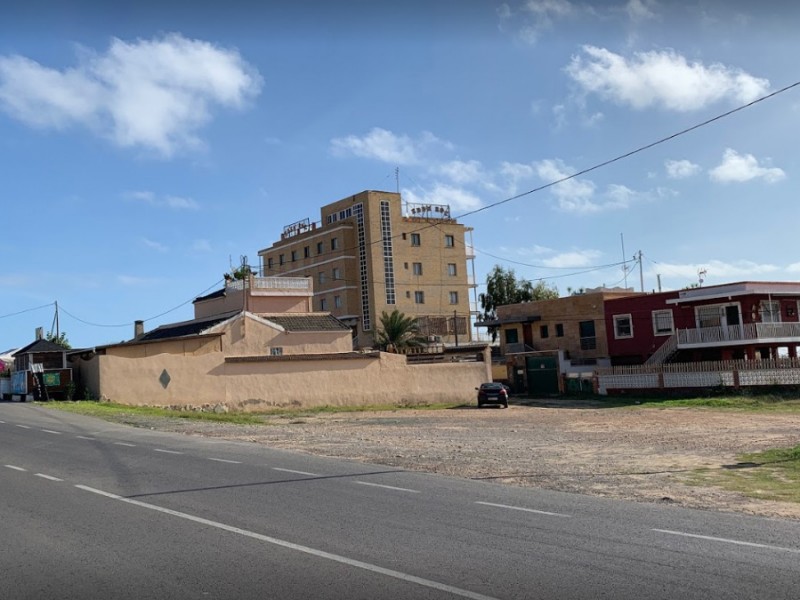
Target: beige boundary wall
{"x": 252, "y": 383}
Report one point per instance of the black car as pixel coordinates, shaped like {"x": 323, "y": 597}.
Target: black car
{"x": 493, "y": 393}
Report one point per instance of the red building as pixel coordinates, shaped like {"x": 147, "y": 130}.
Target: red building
{"x": 744, "y": 320}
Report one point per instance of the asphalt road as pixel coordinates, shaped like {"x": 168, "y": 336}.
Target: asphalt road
{"x": 90, "y": 509}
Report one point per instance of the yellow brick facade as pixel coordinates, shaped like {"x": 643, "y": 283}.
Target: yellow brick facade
{"x": 368, "y": 254}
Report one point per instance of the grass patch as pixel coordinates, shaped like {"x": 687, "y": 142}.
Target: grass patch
{"x": 117, "y": 412}
{"x": 769, "y": 475}
{"x": 757, "y": 403}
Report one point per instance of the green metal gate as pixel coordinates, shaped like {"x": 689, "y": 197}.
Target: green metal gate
{"x": 542, "y": 375}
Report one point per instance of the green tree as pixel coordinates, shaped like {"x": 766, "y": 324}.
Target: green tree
{"x": 60, "y": 339}
{"x": 397, "y": 330}
{"x": 503, "y": 287}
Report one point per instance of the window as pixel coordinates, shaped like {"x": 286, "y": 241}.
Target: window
{"x": 306, "y": 252}
{"x": 276, "y": 351}
{"x": 281, "y": 259}
{"x": 417, "y": 268}
{"x": 419, "y": 297}
{"x": 449, "y": 241}
{"x": 337, "y": 301}
{"x": 453, "y": 297}
{"x": 623, "y": 327}
{"x": 512, "y": 336}
{"x": 415, "y": 239}
{"x": 544, "y": 332}
{"x": 334, "y": 243}
{"x": 337, "y": 273}
{"x": 319, "y": 247}
{"x": 709, "y": 316}
{"x": 404, "y": 236}
{"x": 662, "y": 322}
{"x": 451, "y": 269}
{"x": 770, "y": 311}
{"x": 269, "y": 262}
{"x": 588, "y": 336}
{"x": 559, "y": 330}
{"x": 323, "y": 304}
{"x": 294, "y": 255}
{"x": 321, "y": 277}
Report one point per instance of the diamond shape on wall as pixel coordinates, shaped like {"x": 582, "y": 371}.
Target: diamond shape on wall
{"x": 164, "y": 379}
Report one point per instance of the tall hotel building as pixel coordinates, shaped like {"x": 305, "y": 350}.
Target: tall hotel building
{"x": 371, "y": 253}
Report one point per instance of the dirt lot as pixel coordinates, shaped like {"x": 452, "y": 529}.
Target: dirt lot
{"x": 635, "y": 453}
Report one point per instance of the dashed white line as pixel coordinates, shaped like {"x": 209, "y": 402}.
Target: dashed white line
{"x": 530, "y": 510}
{"x": 126, "y": 444}
{"x": 23, "y": 426}
{"x": 296, "y": 472}
{"x": 225, "y": 460}
{"x": 16, "y": 468}
{"x": 297, "y": 547}
{"x": 166, "y": 451}
{"x": 51, "y": 431}
{"x": 83, "y": 437}
{"x": 49, "y": 477}
{"x": 727, "y": 541}
{"x": 387, "y": 487}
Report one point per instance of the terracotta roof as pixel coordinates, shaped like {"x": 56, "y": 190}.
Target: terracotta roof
{"x": 306, "y": 322}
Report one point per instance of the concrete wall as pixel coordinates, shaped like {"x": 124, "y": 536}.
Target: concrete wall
{"x": 208, "y": 379}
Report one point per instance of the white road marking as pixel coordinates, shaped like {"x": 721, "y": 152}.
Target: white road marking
{"x": 167, "y": 451}
{"x": 50, "y": 477}
{"x": 297, "y": 547}
{"x": 16, "y": 468}
{"x": 51, "y": 431}
{"x": 727, "y": 541}
{"x": 530, "y": 510}
{"x": 83, "y": 437}
{"x": 225, "y": 460}
{"x": 23, "y": 426}
{"x": 388, "y": 487}
{"x": 293, "y": 471}
{"x": 126, "y": 444}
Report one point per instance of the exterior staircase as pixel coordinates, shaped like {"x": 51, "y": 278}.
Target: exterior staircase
{"x": 665, "y": 352}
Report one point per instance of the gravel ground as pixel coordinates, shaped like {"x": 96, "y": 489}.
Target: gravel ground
{"x": 635, "y": 453}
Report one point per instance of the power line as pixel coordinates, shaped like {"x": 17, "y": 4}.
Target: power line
{"x": 27, "y": 310}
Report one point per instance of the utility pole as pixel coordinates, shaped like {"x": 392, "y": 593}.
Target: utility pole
{"x": 641, "y": 275}
{"x": 624, "y": 260}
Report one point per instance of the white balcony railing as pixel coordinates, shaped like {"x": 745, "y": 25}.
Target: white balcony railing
{"x": 750, "y": 332}
{"x": 274, "y": 283}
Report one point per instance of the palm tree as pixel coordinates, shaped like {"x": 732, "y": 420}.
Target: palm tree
{"x": 397, "y": 331}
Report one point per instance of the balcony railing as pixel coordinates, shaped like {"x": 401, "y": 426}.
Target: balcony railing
{"x": 733, "y": 334}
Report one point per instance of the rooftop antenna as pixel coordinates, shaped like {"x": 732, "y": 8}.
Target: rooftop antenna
{"x": 701, "y": 274}
{"x": 624, "y": 261}
{"x": 397, "y": 178}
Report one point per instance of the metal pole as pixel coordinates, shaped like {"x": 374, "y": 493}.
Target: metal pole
{"x": 641, "y": 276}
{"x": 455, "y": 325}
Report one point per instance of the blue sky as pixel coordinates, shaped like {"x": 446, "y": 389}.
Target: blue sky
{"x": 145, "y": 148}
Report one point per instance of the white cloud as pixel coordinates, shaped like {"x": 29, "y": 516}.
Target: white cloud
{"x": 661, "y": 78}
{"x": 535, "y": 16}
{"x": 462, "y": 172}
{"x": 168, "y": 201}
{"x": 383, "y": 145}
{"x": 681, "y": 169}
{"x": 573, "y": 195}
{"x": 180, "y": 203}
{"x": 641, "y": 10}
{"x": 201, "y": 246}
{"x": 153, "y": 245}
{"x": 717, "y": 271}
{"x": 155, "y": 94}
{"x": 738, "y": 168}
{"x": 573, "y": 259}
{"x": 459, "y": 199}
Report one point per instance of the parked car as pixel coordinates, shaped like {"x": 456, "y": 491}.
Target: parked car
{"x": 493, "y": 393}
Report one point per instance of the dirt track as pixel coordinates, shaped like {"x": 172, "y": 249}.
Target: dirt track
{"x": 634, "y": 453}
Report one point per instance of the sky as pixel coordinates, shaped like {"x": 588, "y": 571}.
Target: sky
{"x": 146, "y": 148}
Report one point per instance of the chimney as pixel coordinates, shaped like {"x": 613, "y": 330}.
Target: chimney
{"x": 138, "y": 329}
{"x": 40, "y": 333}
